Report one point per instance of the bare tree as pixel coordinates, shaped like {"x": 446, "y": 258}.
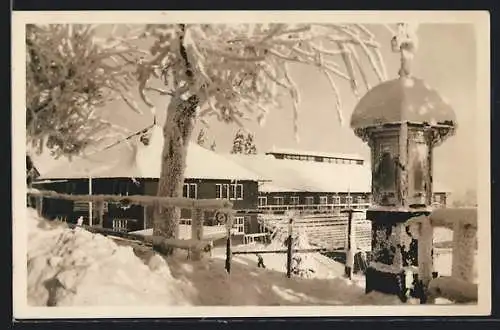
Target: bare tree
{"x": 235, "y": 73}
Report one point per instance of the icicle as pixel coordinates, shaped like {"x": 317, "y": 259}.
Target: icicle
{"x": 338, "y": 104}
{"x": 153, "y": 112}
{"x": 132, "y": 104}
{"x": 357, "y": 61}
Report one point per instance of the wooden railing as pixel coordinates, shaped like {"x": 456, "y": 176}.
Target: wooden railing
{"x": 329, "y": 232}
{"x": 460, "y": 286}
{"x": 319, "y": 208}
{"x": 223, "y": 209}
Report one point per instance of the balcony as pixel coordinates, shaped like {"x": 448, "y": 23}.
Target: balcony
{"x": 313, "y": 208}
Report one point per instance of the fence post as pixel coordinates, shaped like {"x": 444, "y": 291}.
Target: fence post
{"x": 100, "y": 213}
{"x": 464, "y": 244}
{"x": 425, "y": 262}
{"x": 197, "y": 216}
{"x": 289, "y": 249}
{"x": 229, "y": 254}
{"x": 39, "y": 205}
{"x": 349, "y": 264}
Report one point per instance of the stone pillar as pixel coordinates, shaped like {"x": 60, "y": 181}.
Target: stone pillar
{"x": 464, "y": 246}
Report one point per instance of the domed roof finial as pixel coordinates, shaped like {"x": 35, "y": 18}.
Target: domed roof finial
{"x": 405, "y": 42}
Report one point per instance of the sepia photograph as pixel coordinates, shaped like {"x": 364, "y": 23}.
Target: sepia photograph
{"x": 250, "y": 164}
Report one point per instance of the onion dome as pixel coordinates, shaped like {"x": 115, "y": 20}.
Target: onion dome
{"x": 404, "y": 100}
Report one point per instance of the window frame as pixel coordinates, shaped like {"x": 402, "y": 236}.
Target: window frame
{"x": 120, "y": 227}
{"x": 294, "y": 200}
{"x": 234, "y": 191}
{"x": 281, "y": 198}
{"x": 189, "y": 190}
{"x": 239, "y": 224}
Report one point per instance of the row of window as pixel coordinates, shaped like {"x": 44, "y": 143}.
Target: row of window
{"x": 333, "y": 160}
{"x": 233, "y": 191}
{"x": 190, "y": 190}
{"x": 309, "y": 200}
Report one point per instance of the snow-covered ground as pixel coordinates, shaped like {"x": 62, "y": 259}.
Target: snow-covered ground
{"x": 72, "y": 267}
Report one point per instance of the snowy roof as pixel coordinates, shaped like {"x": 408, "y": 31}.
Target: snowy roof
{"x": 286, "y": 175}
{"x": 275, "y": 150}
{"x": 402, "y": 99}
{"x": 296, "y": 175}
{"x": 137, "y": 160}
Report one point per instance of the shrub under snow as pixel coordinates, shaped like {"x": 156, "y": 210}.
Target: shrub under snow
{"x": 71, "y": 267}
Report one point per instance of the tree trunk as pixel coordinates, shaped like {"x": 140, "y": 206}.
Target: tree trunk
{"x": 177, "y": 132}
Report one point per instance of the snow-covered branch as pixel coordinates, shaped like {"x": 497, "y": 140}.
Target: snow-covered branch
{"x": 239, "y": 69}
{"x": 70, "y": 74}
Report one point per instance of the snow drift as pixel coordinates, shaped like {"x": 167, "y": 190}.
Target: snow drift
{"x": 73, "y": 267}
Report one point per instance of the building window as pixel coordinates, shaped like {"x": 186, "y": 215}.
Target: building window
{"x": 437, "y": 198}
{"x": 236, "y": 191}
{"x": 309, "y": 200}
{"x": 348, "y": 200}
{"x": 239, "y": 224}
{"x": 336, "y": 200}
{"x": 190, "y": 190}
{"x": 262, "y": 200}
{"x": 185, "y": 221}
{"x": 229, "y": 191}
{"x": 359, "y": 162}
{"x": 360, "y": 199}
{"x": 222, "y": 191}
{"x": 120, "y": 224}
{"x": 278, "y": 200}
{"x": 323, "y": 199}
{"x": 294, "y": 200}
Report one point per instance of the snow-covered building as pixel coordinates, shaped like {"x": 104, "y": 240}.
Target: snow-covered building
{"x": 134, "y": 168}
{"x": 274, "y": 182}
{"x": 313, "y": 181}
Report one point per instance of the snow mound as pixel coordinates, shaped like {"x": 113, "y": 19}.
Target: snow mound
{"x": 71, "y": 267}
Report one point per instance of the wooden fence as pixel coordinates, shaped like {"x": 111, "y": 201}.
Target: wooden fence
{"x": 195, "y": 245}
{"x": 343, "y": 228}
{"x": 329, "y": 232}
{"x": 460, "y": 286}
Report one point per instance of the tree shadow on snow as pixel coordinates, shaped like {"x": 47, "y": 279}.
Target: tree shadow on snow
{"x": 249, "y": 285}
